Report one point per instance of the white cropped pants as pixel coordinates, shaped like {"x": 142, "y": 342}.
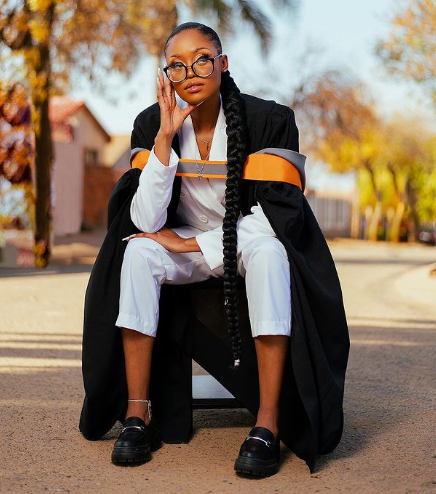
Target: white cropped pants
{"x": 147, "y": 264}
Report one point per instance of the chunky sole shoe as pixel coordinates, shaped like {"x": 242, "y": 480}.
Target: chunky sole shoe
{"x": 259, "y": 453}
{"x": 136, "y": 442}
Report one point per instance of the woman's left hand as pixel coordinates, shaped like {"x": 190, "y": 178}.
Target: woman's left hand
{"x": 168, "y": 239}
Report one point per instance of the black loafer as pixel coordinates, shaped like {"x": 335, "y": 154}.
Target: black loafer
{"x": 136, "y": 441}
{"x": 259, "y": 453}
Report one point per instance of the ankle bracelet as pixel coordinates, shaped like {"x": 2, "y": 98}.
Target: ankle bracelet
{"x": 148, "y": 405}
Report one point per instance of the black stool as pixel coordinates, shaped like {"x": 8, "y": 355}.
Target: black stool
{"x": 207, "y": 392}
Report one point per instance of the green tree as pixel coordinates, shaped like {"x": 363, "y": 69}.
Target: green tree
{"x": 409, "y": 49}
{"x": 407, "y": 153}
{"x": 341, "y": 128}
{"x": 95, "y": 38}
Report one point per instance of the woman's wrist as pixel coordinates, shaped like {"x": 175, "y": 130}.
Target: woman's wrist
{"x": 165, "y": 136}
{"x": 162, "y": 147}
{"x": 191, "y": 245}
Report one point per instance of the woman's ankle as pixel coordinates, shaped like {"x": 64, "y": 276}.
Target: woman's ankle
{"x": 268, "y": 419}
{"x": 141, "y": 410}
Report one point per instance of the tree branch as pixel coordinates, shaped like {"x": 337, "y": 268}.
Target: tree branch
{"x": 23, "y": 39}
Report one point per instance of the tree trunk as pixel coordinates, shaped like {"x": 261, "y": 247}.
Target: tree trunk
{"x": 394, "y": 233}
{"x": 376, "y": 215}
{"x": 396, "y": 223}
{"x": 43, "y": 154}
{"x": 412, "y": 217}
{"x": 374, "y": 222}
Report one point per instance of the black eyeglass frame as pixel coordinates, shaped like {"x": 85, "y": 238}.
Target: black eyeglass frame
{"x": 212, "y": 59}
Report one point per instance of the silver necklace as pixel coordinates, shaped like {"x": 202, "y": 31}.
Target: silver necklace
{"x": 206, "y": 142}
{"x": 200, "y": 171}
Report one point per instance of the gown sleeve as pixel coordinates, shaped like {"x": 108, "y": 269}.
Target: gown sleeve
{"x": 248, "y": 228}
{"x": 281, "y": 130}
{"x": 138, "y": 138}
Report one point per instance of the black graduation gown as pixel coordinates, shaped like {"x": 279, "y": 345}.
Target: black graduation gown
{"x": 193, "y": 323}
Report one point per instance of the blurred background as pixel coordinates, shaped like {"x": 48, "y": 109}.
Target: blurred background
{"x": 359, "y": 76}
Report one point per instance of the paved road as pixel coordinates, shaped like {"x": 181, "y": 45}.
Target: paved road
{"x": 389, "y": 440}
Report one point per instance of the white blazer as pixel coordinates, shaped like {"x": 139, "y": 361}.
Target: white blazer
{"x": 201, "y": 207}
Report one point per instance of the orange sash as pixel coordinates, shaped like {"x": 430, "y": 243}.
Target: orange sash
{"x": 259, "y": 166}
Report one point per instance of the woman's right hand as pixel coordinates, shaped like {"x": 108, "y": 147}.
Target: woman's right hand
{"x": 171, "y": 115}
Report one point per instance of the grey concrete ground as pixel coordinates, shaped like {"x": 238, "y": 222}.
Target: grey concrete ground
{"x": 388, "y": 445}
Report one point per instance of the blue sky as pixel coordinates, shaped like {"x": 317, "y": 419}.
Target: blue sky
{"x": 343, "y": 34}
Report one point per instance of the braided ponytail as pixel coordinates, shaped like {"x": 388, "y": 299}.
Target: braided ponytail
{"x": 237, "y": 151}
{"x": 234, "y": 110}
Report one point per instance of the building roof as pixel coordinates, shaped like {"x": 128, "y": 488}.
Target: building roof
{"x": 62, "y": 107}
{"x": 115, "y": 150}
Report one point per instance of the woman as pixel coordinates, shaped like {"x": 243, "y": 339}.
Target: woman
{"x": 213, "y": 236}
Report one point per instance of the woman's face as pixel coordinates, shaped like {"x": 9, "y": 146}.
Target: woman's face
{"x": 187, "y": 47}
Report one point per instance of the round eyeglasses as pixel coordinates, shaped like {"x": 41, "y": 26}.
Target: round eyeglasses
{"x": 202, "y": 67}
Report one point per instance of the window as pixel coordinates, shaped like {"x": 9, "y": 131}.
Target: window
{"x": 91, "y": 156}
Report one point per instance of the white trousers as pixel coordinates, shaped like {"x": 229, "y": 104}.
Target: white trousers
{"x": 147, "y": 264}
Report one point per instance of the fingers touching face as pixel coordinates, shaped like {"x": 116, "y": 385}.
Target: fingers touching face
{"x": 165, "y": 90}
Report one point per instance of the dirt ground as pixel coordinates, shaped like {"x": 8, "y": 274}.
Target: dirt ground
{"x": 388, "y": 445}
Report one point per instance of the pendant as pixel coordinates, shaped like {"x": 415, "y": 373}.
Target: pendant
{"x": 200, "y": 172}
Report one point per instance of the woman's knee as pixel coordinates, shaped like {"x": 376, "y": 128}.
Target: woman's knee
{"x": 265, "y": 250}
{"x": 143, "y": 251}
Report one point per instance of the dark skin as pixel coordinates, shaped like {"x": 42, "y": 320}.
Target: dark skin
{"x": 204, "y": 107}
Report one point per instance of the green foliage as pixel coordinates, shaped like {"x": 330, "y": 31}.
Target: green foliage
{"x": 423, "y": 182}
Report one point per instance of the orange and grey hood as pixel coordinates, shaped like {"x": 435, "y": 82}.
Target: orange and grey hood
{"x": 269, "y": 164}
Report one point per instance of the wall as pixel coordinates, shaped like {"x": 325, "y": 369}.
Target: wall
{"x": 68, "y": 175}
{"x": 98, "y": 187}
{"x": 332, "y": 213}
{"x": 67, "y": 186}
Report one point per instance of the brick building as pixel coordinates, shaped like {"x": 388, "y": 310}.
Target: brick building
{"x": 85, "y": 157}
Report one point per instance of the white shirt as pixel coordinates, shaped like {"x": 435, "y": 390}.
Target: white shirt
{"x": 202, "y": 202}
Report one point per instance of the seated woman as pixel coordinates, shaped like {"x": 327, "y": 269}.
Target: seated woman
{"x": 239, "y": 170}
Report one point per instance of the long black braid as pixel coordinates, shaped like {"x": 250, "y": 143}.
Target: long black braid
{"x": 234, "y": 110}
{"x": 237, "y": 152}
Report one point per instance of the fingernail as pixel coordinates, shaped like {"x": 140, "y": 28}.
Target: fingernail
{"x": 157, "y": 80}
{"x": 158, "y": 71}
